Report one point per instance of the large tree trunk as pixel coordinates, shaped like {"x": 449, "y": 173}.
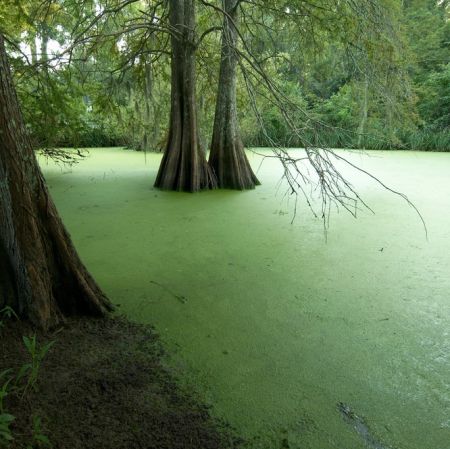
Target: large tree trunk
{"x": 227, "y": 157}
{"x": 42, "y": 277}
{"x": 184, "y": 165}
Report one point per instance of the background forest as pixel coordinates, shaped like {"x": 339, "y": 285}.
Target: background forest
{"x": 97, "y": 73}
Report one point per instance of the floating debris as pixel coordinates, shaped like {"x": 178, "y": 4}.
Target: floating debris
{"x": 360, "y": 426}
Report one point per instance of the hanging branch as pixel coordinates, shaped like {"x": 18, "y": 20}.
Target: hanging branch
{"x": 333, "y": 188}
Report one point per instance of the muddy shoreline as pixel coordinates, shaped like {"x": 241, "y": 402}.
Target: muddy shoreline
{"x": 105, "y": 384}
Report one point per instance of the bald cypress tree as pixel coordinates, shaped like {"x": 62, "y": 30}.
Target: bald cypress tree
{"x": 184, "y": 166}
{"x": 227, "y": 157}
{"x": 41, "y": 274}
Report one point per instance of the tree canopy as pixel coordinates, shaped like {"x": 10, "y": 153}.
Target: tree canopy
{"x": 97, "y": 72}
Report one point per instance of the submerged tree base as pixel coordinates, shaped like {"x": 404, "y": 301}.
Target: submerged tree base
{"x": 175, "y": 175}
{"x": 104, "y": 385}
{"x": 232, "y": 168}
{"x": 227, "y": 157}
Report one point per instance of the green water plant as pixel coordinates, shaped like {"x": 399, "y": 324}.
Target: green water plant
{"x": 30, "y": 371}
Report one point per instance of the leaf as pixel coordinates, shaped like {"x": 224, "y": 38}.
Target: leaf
{"x": 42, "y": 438}
{"x": 5, "y": 372}
{"x": 36, "y": 422}
{"x": 45, "y": 349}
{"x": 6, "y": 436}
{"x": 7, "y": 418}
{"x": 23, "y": 371}
{"x": 30, "y": 343}
{"x": 9, "y": 312}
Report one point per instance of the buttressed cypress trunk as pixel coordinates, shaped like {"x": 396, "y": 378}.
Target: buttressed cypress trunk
{"x": 41, "y": 274}
{"x": 184, "y": 166}
{"x": 227, "y": 157}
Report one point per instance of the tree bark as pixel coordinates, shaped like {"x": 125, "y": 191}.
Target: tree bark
{"x": 184, "y": 166}
{"x": 42, "y": 276}
{"x": 33, "y": 48}
{"x": 44, "y": 45}
{"x": 227, "y": 157}
{"x": 149, "y": 101}
{"x": 364, "y": 113}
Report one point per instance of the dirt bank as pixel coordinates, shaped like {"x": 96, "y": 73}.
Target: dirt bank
{"x": 104, "y": 385}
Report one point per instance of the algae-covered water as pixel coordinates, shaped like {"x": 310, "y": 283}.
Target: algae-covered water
{"x": 274, "y": 324}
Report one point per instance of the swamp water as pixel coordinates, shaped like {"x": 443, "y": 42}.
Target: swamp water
{"x": 279, "y": 329}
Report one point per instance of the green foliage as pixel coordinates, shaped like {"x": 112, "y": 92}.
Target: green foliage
{"x": 428, "y": 34}
{"x": 341, "y": 109}
{"x": 6, "y": 313}
{"x": 426, "y": 140}
{"x": 20, "y": 384}
{"x": 434, "y": 99}
{"x": 30, "y": 371}
{"x": 116, "y": 89}
{"x": 39, "y": 439}
{"x": 6, "y": 418}
{"x": 6, "y": 378}
{"x": 6, "y": 435}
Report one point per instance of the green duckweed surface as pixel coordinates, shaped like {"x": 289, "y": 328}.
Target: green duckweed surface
{"x": 273, "y": 323}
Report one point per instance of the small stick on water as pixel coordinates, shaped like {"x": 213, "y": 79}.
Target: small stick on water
{"x": 180, "y": 298}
